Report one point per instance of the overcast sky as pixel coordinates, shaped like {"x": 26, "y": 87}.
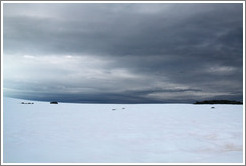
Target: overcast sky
{"x": 123, "y": 53}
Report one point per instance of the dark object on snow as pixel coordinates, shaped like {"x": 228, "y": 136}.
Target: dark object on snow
{"x": 123, "y": 108}
{"x": 218, "y": 102}
{"x": 113, "y": 109}
{"x": 212, "y": 107}
{"x": 26, "y": 103}
{"x": 53, "y": 102}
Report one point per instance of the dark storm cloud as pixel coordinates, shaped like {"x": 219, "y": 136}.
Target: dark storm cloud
{"x": 124, "y": 52}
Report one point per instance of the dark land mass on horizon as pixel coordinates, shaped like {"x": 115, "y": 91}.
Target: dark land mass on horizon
{"x": 218, "y": 102}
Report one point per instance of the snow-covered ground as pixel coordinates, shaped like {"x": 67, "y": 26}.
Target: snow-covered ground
{"x": 140, "y": 133}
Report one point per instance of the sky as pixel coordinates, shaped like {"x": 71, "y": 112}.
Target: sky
{"x": 123, "y": 52}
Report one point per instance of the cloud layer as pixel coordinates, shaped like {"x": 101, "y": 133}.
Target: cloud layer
{"x": 123, "y": 53}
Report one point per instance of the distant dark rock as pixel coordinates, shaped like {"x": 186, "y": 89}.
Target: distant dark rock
{"x": 218, "y": 102}
{"x": 53, "y": 102}
{"x": 26, "y": 103}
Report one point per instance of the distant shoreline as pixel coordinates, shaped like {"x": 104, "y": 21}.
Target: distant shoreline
{"x": 88, "y": 102}
{"x": 219, "y": 102}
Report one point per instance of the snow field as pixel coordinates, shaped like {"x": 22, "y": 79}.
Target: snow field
{"x": 140, "y": 133}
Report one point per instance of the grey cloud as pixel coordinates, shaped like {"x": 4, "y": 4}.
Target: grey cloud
{"x": 107, "y": 32}
{"x": 197, "y": 47}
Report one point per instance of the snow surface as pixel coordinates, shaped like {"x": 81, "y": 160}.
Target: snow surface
{"x": 140, "y": 133}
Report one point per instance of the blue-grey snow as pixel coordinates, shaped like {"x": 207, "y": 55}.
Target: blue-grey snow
{"x": 121, "y": 133}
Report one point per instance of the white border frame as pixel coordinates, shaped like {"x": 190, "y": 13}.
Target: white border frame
{"x": 2, "y": 2}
